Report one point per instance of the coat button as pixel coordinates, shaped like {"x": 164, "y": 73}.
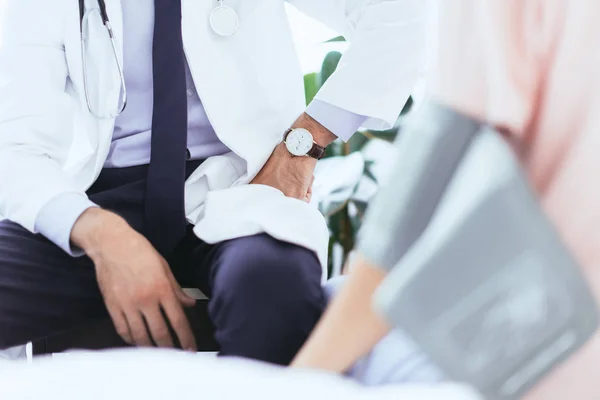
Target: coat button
{"x": 188, "y": 155}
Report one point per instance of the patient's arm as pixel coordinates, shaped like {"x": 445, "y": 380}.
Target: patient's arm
{"x": 349, "y": 329}
{"x": 428, "y": 153}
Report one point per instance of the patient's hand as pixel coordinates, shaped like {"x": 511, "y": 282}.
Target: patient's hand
{"x": 349, "y": 328}
{"x": 135, "y": 280}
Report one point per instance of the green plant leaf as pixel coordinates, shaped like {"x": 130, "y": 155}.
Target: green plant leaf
{"x": 334, "y": 149}
{"x": 407, "y": 106}
{"x": 336, "y": 39}
{"x": 388, "y": 135}
{"x": 333, "y": 208}
{"x": 330, "y": 257}
{"x": 368, "y": 173}
{"x": 329, "y": 66}
{"x": 311, "y": 86}
{"x": 335, "y": 226}
{"x": 356, "y": 143}
{"x": 343, "y": 232}
{"x": 357, "y": 219}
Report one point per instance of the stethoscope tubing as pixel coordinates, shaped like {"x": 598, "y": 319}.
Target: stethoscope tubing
{"x": 107, "y": 24}
{"x": 229, "y": 13}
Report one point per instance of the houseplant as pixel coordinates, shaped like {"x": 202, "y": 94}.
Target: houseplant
{"x": 347, "y": 177}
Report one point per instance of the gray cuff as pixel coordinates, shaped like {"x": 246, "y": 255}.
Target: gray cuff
{"x": 428, "y": 152}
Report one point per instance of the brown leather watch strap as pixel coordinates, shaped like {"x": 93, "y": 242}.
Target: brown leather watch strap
{"x": 317, "y": 152}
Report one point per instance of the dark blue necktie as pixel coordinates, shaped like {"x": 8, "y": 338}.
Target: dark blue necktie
{"x": 165, "y": 210}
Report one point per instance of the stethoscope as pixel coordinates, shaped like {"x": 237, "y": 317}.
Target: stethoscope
{"x": 223, "y": 20}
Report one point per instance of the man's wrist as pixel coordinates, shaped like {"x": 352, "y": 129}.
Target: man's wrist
{"x": 88, "y": 230}
{"x": 321, "y": 135}
{"x": 307, "y": 163}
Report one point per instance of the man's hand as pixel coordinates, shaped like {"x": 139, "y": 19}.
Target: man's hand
{"x": 140, "y": 292}
{"x": 294, "y": 175}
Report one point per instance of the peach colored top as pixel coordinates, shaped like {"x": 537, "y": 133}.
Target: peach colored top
{"x": 532, "y": 67}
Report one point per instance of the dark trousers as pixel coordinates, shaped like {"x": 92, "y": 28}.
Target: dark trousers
{"x": 265, "y": 295}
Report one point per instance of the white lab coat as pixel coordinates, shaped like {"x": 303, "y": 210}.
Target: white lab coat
{"x": 250, "y": 85}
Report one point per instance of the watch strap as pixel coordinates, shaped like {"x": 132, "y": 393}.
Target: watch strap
{"x": 317, "y": 152}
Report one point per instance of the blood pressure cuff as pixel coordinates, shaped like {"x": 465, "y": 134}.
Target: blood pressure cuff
{"x": 478, "y": 276}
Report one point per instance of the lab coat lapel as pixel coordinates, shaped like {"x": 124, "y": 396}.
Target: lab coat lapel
{"x": 199, "y": 46}
{"x": 221, "y": 66}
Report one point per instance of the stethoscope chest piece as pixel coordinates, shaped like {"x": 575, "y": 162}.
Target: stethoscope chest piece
{"x": 224, "y": 20}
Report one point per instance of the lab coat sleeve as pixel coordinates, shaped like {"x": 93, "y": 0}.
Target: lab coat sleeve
{"x": 34, "y": 108}
{"x": 56, "y": 220}
{"x": 340, "y": 122}
{"x": 387, "y": 54}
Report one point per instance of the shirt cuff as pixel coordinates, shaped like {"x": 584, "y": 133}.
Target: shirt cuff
{"x": 55, "y": 221}
{"x": 340, "y": 122}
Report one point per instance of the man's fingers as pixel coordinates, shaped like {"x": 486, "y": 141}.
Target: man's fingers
{"x": 174, "y": 312}
{"x": 120, "y": 323}
{"x": 185, "y": 300}
{"x": 138, "y": 329}
{"x": 158, "y": 327}
{"x": 309, "y": 191}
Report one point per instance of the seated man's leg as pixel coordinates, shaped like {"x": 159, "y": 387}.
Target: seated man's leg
{"x": 266, "y": 297}
{"x": 396, "y": 359}
{"x": 43, "y": 290}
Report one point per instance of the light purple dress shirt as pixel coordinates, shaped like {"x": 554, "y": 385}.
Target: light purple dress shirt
{"x": 132, "y": 134}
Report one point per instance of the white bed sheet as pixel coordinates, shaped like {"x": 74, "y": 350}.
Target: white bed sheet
{"x": 159, "y": 374}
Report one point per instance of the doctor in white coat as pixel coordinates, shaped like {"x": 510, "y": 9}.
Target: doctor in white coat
{"x": 147, "y": 144}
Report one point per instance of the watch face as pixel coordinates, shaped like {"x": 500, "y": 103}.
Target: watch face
{"x": 299, "y": 142}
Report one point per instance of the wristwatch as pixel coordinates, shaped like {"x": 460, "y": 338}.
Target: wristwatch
{"x": 299, "y": 142}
